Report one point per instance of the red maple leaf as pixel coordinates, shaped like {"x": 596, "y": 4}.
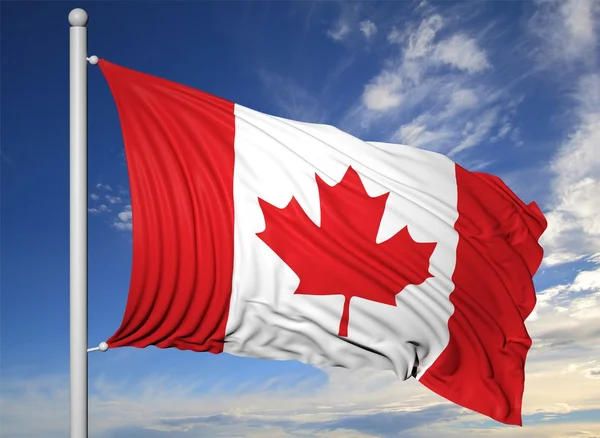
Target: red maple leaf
{"x": 341, "y": 257}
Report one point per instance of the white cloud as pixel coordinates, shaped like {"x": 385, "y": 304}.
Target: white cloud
{"x": 567, "y": 40}
{"x": 113, "y": 199}
{"x": 420, "y": 43}
{"x": 123, "y": 219}
{"x": 574, "y": 219}
{"x": 462, "y": 99}
{"x": 395, "y": 36}
{"x": 383, "y": 92}
{"x": 105, "y": 187}
{"x": 351, "y": 27}
{"x": 567, "y": 30}
{"x": 557, "y": 258}
{"x": 172, "y": 404}
{"x": 580, "y": 22}
{"x": 386, "y": 90}
{"x": 463, "y": 53}
{"x": 99, "y": 209}
{"x": 592, "y": 373}
{"x": 340, "y": 30}
{"x": 449, "y": 112}
{"x": 459, "y": 50}
{"x": 568, "y": 315}
{"x": 94, "y": 196}
{"x": 368, "y": 28}
{"x": 502, "y": 132}
{"x": 554, "y": 429}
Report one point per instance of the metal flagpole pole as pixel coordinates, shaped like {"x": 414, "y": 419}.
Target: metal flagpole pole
{"x": 78, "y": 223}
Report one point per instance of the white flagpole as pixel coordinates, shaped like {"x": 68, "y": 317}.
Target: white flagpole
{"x": 78, "y": 223}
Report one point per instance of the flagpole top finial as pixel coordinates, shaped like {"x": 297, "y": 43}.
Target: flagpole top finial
{"x": 78, "y": 17}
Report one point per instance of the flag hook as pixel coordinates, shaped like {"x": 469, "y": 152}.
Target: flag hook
{"x": 93, "y": 59}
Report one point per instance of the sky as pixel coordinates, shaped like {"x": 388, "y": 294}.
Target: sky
{"x": 505, "y": 87}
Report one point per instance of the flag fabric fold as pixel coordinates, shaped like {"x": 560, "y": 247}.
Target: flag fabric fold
{"x": 260, "y": 236}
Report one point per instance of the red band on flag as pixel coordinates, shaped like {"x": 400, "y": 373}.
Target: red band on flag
{"x": 181, "y": 182}
{"x": 482, "y": 368}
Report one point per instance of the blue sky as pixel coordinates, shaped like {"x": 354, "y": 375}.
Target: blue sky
{"x": 510, "y": 88}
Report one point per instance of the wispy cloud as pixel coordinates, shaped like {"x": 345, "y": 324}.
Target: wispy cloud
{"x": 383, "y": 92}
{"x": 574, "y": 220}
{"x": 294, "y": 101}
{"x": 357, "y": 23}
{"x": 475, "y": 132}
{"x": 340, "y": 30}
{"x": 103, "y": 187}
{"x": 368, "y": 28}
{"x": 570, "y": 45}
{"x": 568, "y": 31}
{"x": 432, "y": 92}
{"x": 345, "y": 23}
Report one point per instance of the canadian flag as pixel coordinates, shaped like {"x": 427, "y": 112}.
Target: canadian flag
{"x": 260, "y": 236}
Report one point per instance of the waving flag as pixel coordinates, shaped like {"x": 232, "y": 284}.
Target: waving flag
{"x": 260, "y": 236}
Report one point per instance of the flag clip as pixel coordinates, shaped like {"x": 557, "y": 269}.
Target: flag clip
{"x": 103, "y": 346}
{"x": 93, "y": 59}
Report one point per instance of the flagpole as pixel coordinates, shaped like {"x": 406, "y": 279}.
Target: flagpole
{"x": 78, "y": 19}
